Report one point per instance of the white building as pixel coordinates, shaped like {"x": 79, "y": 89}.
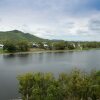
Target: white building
{"x": 73, "y": 45}
{"x": 35, "y": 45}
{"x": 1, "y": 45}
{"x": 79, "y": 46}
{"x": 45, "y": 45}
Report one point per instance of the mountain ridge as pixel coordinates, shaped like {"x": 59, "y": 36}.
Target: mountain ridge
{"x": 17, "y": 35}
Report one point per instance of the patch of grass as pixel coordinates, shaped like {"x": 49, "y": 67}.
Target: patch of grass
{"x": 1, "y": 50}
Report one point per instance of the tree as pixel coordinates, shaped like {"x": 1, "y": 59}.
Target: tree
{"x": 59, "y": 45}
{"x": 23, "y": 46}
{"x": 41, "y": 45}
{"x": 26, "y": 85}
{"x": 10, "y": 46}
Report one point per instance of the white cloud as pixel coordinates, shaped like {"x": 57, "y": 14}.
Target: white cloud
{"x": 52, "y": 19}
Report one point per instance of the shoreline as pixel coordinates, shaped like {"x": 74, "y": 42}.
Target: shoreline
{"x": 46, "y": 51}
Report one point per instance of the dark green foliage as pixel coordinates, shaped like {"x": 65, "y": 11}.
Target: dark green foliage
{"x": 90, "y": 44}
{"x": 74, "y": 86}
{"x": 40, "y": 44}
{"x": 23, "y": 46}
{"x": 59, "y": 45}
{"x": 13, "y": 46}
{"x": 10, "y": 46}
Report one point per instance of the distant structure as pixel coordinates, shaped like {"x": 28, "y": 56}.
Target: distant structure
{"x": 79, "y": 46}
{"x": 45, "y": 45}
{"x": 35, "y": 45}
{"x": 1, "y": 45}
{"x": 73, "y": 45}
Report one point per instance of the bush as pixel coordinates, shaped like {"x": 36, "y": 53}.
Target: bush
{"x": 10, "y": 46}
{"x": 23, "y": 46}
{"x": 73, "y": 86}
{"x": 59, "y": 45}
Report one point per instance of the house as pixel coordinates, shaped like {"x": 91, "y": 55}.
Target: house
{"x": 45, "y": 45}
{"x": 73, "y": 45}
{"x": 1, "y": 45}
{"x": 79, "y": 46}
{"x": 35, "y": 45}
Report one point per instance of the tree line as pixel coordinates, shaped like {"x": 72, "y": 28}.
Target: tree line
{"x": 76, "y": 85}
{"x": 13, "y": 46}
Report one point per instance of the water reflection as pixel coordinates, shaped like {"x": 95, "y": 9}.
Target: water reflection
{"x": 23, "y": 55}
{"x": 8, "y": 56}
{"x": 15, "y": 55}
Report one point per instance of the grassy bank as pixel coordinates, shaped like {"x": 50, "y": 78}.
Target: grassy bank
{"x": 1, "y": 50}
{"x": 38, "y": 50}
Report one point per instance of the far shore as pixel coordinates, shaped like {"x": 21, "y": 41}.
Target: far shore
{"x": 45, "y": 51}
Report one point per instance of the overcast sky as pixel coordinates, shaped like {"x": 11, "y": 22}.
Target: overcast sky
{"x": 53, "y": 19}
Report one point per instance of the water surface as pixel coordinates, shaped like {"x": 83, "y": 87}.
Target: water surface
{"x": 13, "y": 65}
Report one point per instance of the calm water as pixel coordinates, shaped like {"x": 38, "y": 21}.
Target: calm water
{"x": 13, "y": 65}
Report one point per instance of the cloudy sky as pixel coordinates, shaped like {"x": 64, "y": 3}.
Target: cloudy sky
{"x": 53, "y": 19}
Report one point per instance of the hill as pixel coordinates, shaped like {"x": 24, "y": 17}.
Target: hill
{"x": 18, "y": 35}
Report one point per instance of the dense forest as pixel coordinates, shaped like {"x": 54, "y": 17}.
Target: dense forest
{"x": 75, "y": 85}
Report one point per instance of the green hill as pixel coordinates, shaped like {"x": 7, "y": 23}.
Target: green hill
{"x": 18, "y": 35}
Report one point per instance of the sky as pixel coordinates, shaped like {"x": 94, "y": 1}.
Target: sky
{"x": 73, "y": 20}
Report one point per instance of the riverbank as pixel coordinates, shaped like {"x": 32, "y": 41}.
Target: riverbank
{"x": 44, "y": 51}
{"x": 39, "y": 51}
{"x": 1, "y": 51}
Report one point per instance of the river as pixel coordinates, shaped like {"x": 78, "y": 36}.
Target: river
{"x": 12, "y": 65}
